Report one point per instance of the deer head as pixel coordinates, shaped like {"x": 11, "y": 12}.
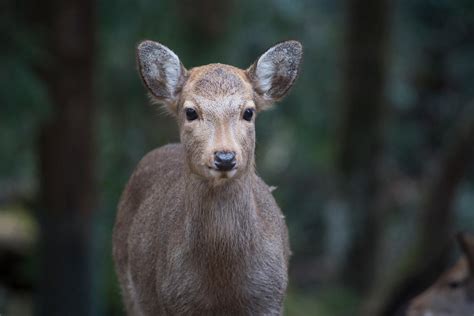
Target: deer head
{"x": 216, "y": 105}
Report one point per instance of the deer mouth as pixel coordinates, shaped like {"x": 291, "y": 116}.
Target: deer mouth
{"x": 222, "y": 174}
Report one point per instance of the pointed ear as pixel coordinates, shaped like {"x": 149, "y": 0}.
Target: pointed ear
{"x": 161, "y": 71}
{"x": 274, "y": 72}
{"x": 466, "y": 242}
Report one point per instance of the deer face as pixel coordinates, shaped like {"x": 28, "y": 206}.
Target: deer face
{"x": 217, "y": 121}
{"x": 216, "y": 105}
{"x": 453, "y": 292}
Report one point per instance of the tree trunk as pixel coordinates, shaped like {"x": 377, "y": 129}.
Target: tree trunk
{"x": 206, "y": 25}
{"x": 67, "y": 158}
{"x": 367, "y": 34}
{"x": 429, "y": 255}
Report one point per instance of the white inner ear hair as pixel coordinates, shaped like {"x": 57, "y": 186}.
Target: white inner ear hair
{"x": 265, "y": 70}
{"x": 280, "y": 61}
{"x": 164, "y": 66}
{"x": 172, "y": 69}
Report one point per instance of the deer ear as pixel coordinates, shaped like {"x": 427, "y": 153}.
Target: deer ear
{"x": 274, "y": 72}
{"x": 466, "y": 242}
{"x": 161, "y": 71}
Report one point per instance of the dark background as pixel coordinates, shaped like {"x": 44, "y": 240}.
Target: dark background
{"x": 372, "y": 152}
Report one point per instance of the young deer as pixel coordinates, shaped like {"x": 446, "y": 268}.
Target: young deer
{"x": 453, "y": 292}
{"x": 197, "y": 231}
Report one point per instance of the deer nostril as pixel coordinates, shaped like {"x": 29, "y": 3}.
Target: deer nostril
{"x": 224, "y": 160}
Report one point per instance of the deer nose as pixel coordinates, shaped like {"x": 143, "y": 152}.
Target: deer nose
{"x": 224, "y": 160}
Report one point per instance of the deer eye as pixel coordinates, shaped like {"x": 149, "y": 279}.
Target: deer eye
{"x": 455, "y": 284}
{"x": 191, "y": 114}
{"x": 248, "y": 114}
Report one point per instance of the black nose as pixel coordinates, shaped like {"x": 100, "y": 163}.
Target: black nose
{"x": 224, "y": 160}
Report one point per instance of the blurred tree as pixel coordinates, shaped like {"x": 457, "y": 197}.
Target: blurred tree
{"x": 204, "y": 28}
{"x": 444, "y": 113}
{"x": 367, "y": 37}
{"x": 430, "y": 253}
{"x": 207, "y": 21}
{"x": 66, "y": 147}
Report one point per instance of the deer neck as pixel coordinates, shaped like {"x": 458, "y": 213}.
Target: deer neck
{"x": 221, "y": 220}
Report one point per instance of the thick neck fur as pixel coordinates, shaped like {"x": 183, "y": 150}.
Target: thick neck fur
{"x": 221, "y": 224}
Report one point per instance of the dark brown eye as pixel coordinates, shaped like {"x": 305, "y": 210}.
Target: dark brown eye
{"x": 455, "y": 284}
{"x": 191, "y": 114}
{"x": 248, "y": 114}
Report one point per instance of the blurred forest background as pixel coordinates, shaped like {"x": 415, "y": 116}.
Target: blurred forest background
{"x": 372, "y": 152}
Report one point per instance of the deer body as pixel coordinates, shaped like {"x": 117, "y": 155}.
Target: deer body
{"x": 197, "y": 231}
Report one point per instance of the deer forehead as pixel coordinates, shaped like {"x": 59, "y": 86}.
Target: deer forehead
{"x": 218, "y": 87}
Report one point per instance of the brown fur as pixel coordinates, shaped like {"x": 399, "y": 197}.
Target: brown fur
{"x": 190, "y": 240}
{"x": 453, "y": 293}
{"x": 217, "y": 80}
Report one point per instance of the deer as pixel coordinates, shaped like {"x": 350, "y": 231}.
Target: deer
{"x": 453, "y": 292}
{"x": 197, "y": 231}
